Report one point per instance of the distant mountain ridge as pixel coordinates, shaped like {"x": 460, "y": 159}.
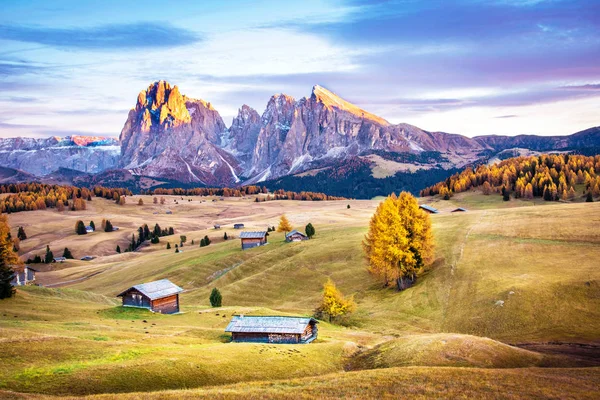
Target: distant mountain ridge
{"x": 169, "y": 136}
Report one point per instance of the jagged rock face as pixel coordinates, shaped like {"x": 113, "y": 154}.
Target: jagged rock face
{"x": 324, "y": 127}
{"x": 242, "y": 135}
{"x": 171, "y": 136}
{"x": 43, "y": 156}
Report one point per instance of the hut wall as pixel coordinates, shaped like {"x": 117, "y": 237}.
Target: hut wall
{"x": 265, "y": 337}
{"x": 250, "y": 243}
{"x": 166, "y": 305}
{"x": 133, "y": 298}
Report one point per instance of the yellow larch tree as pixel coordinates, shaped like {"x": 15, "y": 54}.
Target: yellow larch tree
{"x": 399, "y": 242}
{"x": 284, "y": 224}
{"x": 334, "y": 304}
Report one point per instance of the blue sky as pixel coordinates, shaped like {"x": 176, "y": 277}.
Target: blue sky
{"x": 473, "y": 67}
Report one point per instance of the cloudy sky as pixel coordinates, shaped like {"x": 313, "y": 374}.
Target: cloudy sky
{"x": 470, "y": 66}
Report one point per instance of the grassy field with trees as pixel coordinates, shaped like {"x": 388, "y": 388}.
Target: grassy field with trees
{"x": 506, "y": 279}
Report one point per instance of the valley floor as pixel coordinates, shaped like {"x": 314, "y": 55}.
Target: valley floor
{"x": 509, "y": 309}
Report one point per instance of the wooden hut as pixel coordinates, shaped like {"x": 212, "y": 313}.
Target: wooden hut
{"x": 459, "y": 209}
{"x": 428, "y": 209}
{"x": 24, "y": 275}
{"x": 271, "y": 329}
{"x": 238, "y": 226}
{"x": 253, "y": 239}
{"x": 295, "y": 236}
{"x": 159, "y": 296}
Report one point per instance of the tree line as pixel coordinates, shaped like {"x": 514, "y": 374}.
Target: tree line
{"x": 246, "y": 190}
{"x": 548, "y": 176}
{"x": 40, "y": 196}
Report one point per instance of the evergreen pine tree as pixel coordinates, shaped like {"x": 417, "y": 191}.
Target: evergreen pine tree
{"x": 171, "y": 231}
{"x": 67, "y": 254}
{"x": 80, "y": 228}
{"x": 310, "y": 230}
{"x": 168, "y": 246}
{"x": 206, "y": 240}
{"x": 93, "y": 225}
{"x": 225, "y": 236}
{"x": 589, "y": 198}
{"x": 108, "y": 227}
{"x": 348, "y": 206}
{"x": 118, "y": 249}
{"x": 21, "y": 233}
{"x": 49, "y": 256}
{"x": 215, "y": 298}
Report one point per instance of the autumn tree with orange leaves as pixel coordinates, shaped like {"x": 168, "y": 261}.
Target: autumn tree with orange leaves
{"x": 399, "y": 242}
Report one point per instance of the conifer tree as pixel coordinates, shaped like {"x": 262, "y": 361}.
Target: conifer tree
{"x": 215, "y": 298}
{"x": 49, "y": 256}
{"x": 118, "y": 249}
{"x": 108, "y": 227}
{"x": 80, "y": 228}
{"x": 93, "y": 225}
{"x": 284, "y": 224}
{"x": 8, "y": 259}
{"x": 589, "y": 198}
{"x": 334, "y": 304}
{"x": 225, "y": 236}
{"x": 310, "y": 230}
{"x": 206, "y": 240}
{"x": 67, "y": 254}
{"x": 168, "y": 246}
{"x": 21, "y": 235}
{"x": 399, "y": 241}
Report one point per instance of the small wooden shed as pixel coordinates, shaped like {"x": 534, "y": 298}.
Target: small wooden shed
{"x": 253, "y": 239}
{"x": 23, "y": 275}
{"x": 428, "y": 209}
{"x": 272, "y": 329}
{"x": 459, "y": 209}
{"x": 238, "y": 226}
{"x": 295, "y": 236}
{"x": 159, "y": 296}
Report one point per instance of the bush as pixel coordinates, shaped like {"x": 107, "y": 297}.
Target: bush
{"x": 215, "y": 298}
{"x": 108, "y": 226}
{"x": 21, "y": 233}
{"x": 589, "y": 198}
{"x": 168, "y": 246}
{"x": 310, "y": 230}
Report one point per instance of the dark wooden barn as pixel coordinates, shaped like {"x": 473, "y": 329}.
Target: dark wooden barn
{"x": 159, "y": 296}
{"x": 238, "y": 226}
{"x": 290, "y": 330}
{"x": 253, "y": 239}
{"x": 295, "y": 236}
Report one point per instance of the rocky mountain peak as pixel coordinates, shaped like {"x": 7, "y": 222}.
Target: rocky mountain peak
{"x": 161, "y": 106}
{"x": 332, "y": 101}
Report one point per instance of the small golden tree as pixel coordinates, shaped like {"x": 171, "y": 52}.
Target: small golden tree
{"x": 284, "y": 224}
{"x": 334, "y": 304}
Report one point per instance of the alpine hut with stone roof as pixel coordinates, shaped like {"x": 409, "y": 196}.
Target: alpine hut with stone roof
{"x": 272, "y": 329}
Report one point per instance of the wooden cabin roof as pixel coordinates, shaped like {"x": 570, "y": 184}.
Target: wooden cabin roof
{"x": 295, "y": 232}
{"x": 459, "y": 209}
{"x": 155, "y": 290}
{"x": 253, "y": 235}
{"x": 269, "y": 324}
{"x": 429, "y": 208}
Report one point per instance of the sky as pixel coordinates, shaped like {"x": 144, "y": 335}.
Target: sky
{"x": 474, "y": 67}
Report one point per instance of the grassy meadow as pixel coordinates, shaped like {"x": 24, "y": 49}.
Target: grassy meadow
{"x": 506, "y": 275}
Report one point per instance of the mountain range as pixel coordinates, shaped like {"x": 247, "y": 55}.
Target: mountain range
{"x": 169, "y": 137}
